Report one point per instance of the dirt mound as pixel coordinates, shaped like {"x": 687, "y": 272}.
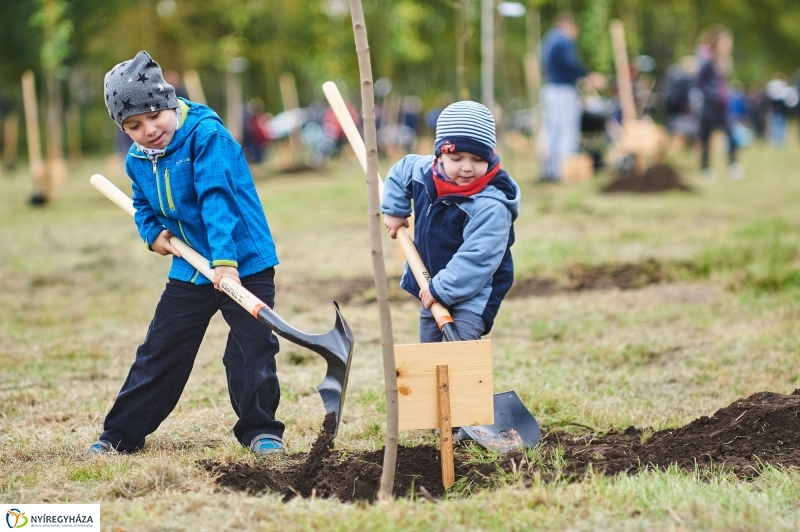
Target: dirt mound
{"x": 624, "y": 276}
{"x": 628, "y": 275}
{"x": 761, "y": 429}
{"x": 657, "y": 178}
{"x": 348, "y": 477}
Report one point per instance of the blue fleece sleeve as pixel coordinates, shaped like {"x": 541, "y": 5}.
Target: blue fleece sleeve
{"x": 214, "y": 159}
{"x": 485, "y": 241}
{"x": 146, "y": 222}
{"x": 397, "y": 188}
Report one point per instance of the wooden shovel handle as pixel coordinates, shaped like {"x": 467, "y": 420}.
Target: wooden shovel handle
{"x": 236, "y": 291}
{"x": 415, "y": 263}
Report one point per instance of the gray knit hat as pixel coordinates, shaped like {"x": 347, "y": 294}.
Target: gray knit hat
{"x": 137, "y": 86}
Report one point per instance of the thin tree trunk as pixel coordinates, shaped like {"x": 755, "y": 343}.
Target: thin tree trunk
{"x": 375, "y": 232}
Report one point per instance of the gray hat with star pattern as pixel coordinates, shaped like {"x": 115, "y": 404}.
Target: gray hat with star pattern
{"x": 137, "y": 86}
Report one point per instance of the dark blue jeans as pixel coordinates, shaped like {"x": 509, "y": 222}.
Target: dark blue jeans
{"x": 165, "y": 359}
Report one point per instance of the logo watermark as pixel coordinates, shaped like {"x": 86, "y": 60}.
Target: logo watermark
{"x": 47, "y": 517}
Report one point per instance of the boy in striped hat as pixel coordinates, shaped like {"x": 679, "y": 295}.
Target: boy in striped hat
{"x": 464, "y": 207}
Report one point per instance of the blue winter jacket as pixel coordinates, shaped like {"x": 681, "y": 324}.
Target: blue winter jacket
{"x": 201, "y": 189}
{"x": 464, "y": 241}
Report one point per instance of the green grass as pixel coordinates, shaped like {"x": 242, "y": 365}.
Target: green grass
{"x": 78, "y": 288}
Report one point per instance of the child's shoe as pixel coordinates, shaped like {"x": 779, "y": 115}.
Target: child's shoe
{"x": 266, "y": 444}
{"x": 100, "y": 447}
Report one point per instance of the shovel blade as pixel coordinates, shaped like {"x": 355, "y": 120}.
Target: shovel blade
{"x": 335, "y": 346}
{"x": 339, "y": 343}
{"x": 514, "y": 426}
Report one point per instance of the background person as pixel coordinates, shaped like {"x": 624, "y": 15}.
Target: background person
{"x": 560, "y": 97}
{"x": 715, "y": 52}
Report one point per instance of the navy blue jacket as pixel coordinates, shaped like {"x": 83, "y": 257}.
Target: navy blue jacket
{"x": 464, "y": 241}
{"x": 560, "y": 58}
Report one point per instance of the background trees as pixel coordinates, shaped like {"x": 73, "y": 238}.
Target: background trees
{"x": 414, "y": 43}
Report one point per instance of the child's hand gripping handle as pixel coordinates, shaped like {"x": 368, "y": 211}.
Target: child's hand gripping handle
{"x": 339, "y": 108}
{"x": 236, "y": 291}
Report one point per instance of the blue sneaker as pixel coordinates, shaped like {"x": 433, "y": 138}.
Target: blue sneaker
{"x": 265, "y": 444}
{"x": 101, "y": 447}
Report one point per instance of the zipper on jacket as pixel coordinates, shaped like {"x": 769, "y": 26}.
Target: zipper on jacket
{"x": 158, "y": 186}
{"x": 169, "y": 190}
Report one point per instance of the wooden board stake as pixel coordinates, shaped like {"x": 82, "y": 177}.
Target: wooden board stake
{"x": 32, "y": 130}
{"x": 470, "y": 383}
{"x": 193, "y": 86}
{"x": 445, "y": 428}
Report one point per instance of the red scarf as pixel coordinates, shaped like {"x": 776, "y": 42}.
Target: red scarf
{"x": 447, "y": 188}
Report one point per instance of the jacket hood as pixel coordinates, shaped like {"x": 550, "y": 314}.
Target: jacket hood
{"x": 505, "y": 190}
{"x": 197, "y": 113}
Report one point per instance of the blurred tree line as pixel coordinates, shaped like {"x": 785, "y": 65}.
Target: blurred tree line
{"x": 413, "y": 42}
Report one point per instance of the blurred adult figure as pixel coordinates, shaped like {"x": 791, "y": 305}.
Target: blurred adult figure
{"x": 756, "y": 110}
{"x": 782, "y": 98}
{"x": 560, "y": 97}
{"x": 715, "y": 53}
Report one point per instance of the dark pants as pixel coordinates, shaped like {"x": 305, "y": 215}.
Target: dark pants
{"x": 165, "y": 359}
{"x": 708, "y": 123}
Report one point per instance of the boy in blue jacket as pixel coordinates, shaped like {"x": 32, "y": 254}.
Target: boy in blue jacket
{"x": 464, "y": 207}
{"x": 190, "y": 179}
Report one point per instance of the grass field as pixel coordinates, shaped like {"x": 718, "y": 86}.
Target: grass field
{"x": 78, "y": 288}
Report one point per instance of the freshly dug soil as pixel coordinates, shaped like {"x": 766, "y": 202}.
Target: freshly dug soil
{"x": 657, "y": 178}
{"x": 625, "y": 276}
{"x": 762, "y": 428}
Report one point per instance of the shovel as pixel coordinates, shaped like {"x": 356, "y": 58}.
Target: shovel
{"x": 335, "y": 346}
{"x": 514, "y": 426}
{"x": 507, "y": 411}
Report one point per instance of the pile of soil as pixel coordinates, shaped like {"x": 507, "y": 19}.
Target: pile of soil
{"x": 625, "y": 276}
{"x": 657, "y": 178}
{"x": 761, "y": 429}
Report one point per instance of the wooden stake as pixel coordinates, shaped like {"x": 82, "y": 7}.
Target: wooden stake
{"x": 290, "y": 103}
{"x": 193, "y": 86}
{"x": 629, "y": 115}
{"x": 11, "y": 139}
{"x": 376, "y": 234}
{"x": 234, "y": 89}
{"x": 623, "y": 71}
{"x": 32, "y": 129}
{"x": 445, "y": 428}
{"x": 74, "y": 151}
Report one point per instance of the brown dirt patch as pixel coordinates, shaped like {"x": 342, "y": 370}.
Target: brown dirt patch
{"x": 624, "y": 276}
{"x": 657, "y": 178}
{"x": 761, "y": 429}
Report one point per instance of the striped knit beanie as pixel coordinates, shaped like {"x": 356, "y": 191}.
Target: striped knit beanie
{"x": 465, "y": 126}
{"x": 137, "y": 86}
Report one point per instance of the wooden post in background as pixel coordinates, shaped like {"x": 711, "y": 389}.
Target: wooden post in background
{"x": 191, "y": 79}
{"x": 233, "y": 84}
{"x": 376, "y": 235}
{"x": 73, "y": 119}
{"x": 11, "y": 140}
{"x": 32, "y": 132}
{"x": 445, "y": 427}
{"x": 291, "y": 103}
{"x": 56, "y": 172}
